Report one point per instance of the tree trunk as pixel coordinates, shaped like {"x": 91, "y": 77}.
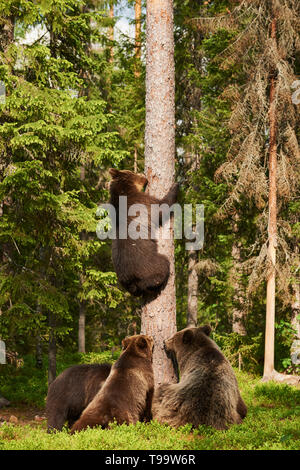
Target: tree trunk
{"x": 82, "y": 304}
{"x": 159, "y": 315}
{"x": 7, "y": 33}
{"x": 38, "y": 352}
{"x": 135, "y": 166}
{"x": 137, "y": 49}
{"x": 192, "y": 315}
{"x": 81, "y": 327}
{"x": 295, "y": 321}
{"x": 111, "y": 31}
{"x": 137, "y": 53}
{"x": 238, "y": 313}
{"x": 51, "y": 350}
{"x": 272, "y": 230}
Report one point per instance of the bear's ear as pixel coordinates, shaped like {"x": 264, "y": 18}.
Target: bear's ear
{"x": 187, "y": 337}
{"x": 142, "y": 343}
{"x": 125, "y": 343}
{"x": 113, "y": 172}
{"x": 206, "y": 329}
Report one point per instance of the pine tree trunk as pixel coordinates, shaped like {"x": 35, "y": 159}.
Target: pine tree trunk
{"x": 81, "y": 327}
{"x": 51, "y": 350}
{"x": 135, "y": 166}
{"x": 238, "y": 325}
{"x": 192, "y": 315}
{"x": 82, "y": 305}
{"x": 137, "y": 53}
{"x": 38, "y": 353}
{"x": 295, "y": 321}
{"x": 137, "y": 49}
{"x": 7, "y": 33}
{"x": 111, "y": 31}
{"x": 159, "y": 315}
{"x": 272, "y": 231}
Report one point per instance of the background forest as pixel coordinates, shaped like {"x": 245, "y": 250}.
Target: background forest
{"x": 74, "y": 106}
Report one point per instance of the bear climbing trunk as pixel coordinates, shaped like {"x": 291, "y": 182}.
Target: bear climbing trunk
{"x": 159, "y": 315}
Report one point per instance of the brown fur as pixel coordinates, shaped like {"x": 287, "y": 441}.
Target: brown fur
{"x": 127, "y": 393}
{"x": 140, "y": 268}
{"x": 207, "y": 392}
{"x": 71, "y": 392}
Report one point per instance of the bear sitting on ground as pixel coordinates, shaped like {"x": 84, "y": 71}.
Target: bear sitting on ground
{"x": 140, "y": 268}
{"x": 71, "y": 392}
{"x": 127, "y": 393}
{"x": 207, "y": 392}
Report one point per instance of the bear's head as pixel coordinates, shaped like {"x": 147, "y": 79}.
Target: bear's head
{"x": 124, "y": 181}
{"x": 185, "y": 342}
{"x": 139, "y": 345}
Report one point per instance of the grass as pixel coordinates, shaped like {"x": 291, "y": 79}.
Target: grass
{"x": 272, "y": 423}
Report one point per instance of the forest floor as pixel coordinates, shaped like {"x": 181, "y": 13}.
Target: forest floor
{"x": 22, "y": 415}
{"x": 272, "y": 422}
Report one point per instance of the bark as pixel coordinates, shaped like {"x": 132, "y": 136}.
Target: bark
{"x": 38, "y": 353}
{"x": 137, "y": 53}
{"x": 272, "y": 230}
{"x": 7, "y": 30}
{"x": 137, "y": 49}
{"x": 238, "y": 313}
{"x": 7, "y": 33}
{"x": 295, "y": 321}
{"x": 192, "y": 315}
{"x": 135, "y": 167}
{"x": 81, "y": 327}
{"x": 111, "y": 32}
{"x": 159, "y": 315}
{"x": 82, "y": 303}
{"x": 51, "y": 349}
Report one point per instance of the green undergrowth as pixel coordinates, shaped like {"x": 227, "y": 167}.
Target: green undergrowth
{"x": 28, "y": 384}
{"x": 272, "y": 423}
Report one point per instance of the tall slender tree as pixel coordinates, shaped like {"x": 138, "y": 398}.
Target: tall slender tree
{"x": 263, "y": 158}
{"x": 272, "y": 220}
{"x": 137, "y": 53}
{"x": 159, "y": 315}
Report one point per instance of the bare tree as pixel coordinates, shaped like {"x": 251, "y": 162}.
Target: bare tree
{"x": 263, "y": 158}
{"x": 159, "y": 315}
{"x": 272, "y": 224}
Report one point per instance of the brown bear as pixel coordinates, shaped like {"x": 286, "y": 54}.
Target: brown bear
{"x": 141, "y": 270}
{"x": 71, "y": 392}
{"x": 207, "y": 393}
{"x": 127, "y": 393}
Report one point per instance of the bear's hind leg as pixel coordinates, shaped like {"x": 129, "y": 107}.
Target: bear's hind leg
{"x": 154, "y": 283}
